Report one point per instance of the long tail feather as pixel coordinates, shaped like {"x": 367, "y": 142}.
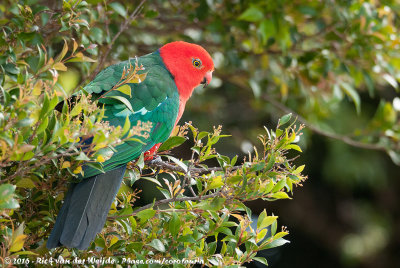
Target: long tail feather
{"x": 85, "y": 210}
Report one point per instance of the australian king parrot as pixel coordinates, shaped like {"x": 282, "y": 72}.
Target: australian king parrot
{"x": 173, "y": 71}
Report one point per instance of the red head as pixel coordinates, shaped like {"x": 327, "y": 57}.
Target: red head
{"x": 190, "y": 64}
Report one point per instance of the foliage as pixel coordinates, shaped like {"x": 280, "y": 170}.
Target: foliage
{"x": 313, "y": 57}
{"x": 43, "y": 143}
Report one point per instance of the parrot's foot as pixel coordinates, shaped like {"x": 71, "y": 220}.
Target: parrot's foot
{"x": 150, "y": 154}
{"x": 156, "y": 159}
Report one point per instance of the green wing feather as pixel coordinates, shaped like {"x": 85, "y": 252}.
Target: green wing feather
{"x": 154, "y": 101}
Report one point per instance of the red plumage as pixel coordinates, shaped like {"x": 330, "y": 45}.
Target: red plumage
{"x": 179, "y": 59}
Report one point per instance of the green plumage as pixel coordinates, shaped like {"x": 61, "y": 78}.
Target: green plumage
{"x": 155, "y": 100}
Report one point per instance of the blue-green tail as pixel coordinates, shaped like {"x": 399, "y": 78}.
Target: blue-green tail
{"x": 85, "y": 210}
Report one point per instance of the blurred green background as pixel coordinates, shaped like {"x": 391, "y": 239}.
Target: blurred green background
{"x": 334, "y": 64}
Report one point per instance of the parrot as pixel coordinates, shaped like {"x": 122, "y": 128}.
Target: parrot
{"x": 173, "y": 72}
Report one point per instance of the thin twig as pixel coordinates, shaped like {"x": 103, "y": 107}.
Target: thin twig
{"x": 167, "y": 166}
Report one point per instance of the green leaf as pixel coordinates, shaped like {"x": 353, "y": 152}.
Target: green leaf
{"x": 271, "y": 162}
{"x": 153, "y": 180}
{"x": 202, "y": 135}
{"x": 252, "y": 14}
{"x": 391, "y": 80}
{"x": 216, "y": 204}
{"x": 276, "y": 243}
{"x": 77, "y": 109}
{"x": 294, "y": 147}
{"x": 174, "y": 224}
{"x": 262, "y": 260}
{"x": 262, "y": 234}
{"x": 280, "y": 195}
{"x": 172, "y": 142}
{"x": 216, "y": 182}
{"x": 284, "y": 119}
{"x": 140, "y": 161}
{"x": 7, "y": 193}
{"x": 267, "y": 30}
{"x": 299, "y": 169}
{"x": 266, "y": 221}
{"x": 82, "y": 156}
{"x": 62, "y": 53}
{"x": 24, "y": 122}
{"x": 43, "y": 125}
{"x": 45, "y": 106}
{"x": 123, "y": 100}
{"x": 26, "y": 183}
{"x": 261, "y": 217}
{"x": 126, "y": 89}
{"x": 157, "y": 244}
{"x": 352, "y": 93}
{"x": 146, "y": 214}
{"x": 127, "y": 126}
{"x": 119, "y": 8}
{"x": 257, "y": 167}
{"x": 280, "y": 184}
{"x": 234, "y": 179}
{"x": 178, "y": 162}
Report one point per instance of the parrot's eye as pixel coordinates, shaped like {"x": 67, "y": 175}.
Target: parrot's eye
{"x": 196, "y": 63}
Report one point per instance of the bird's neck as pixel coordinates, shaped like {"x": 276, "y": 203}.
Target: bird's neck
{"x": 182, "y": 103}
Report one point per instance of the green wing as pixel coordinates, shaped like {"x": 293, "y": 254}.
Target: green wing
{"x": 155, "y": 103}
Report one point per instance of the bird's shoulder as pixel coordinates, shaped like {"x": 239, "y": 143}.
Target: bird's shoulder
{"x": 158, "y": 78}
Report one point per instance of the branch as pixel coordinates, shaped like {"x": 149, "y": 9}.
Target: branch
{"x": 171, "y": 167}
{"x": 123, "y": 27}
{"x": 166, "y": 201}
{"x": 319, "y": 131}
